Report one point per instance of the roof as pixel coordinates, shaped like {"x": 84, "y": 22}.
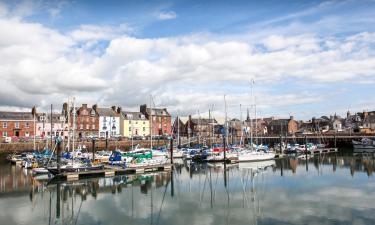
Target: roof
{"x": 203, "y": 121}
{"x": 183, "y": 119}
{"x": 106, "y": 112}
{"x": 134, "y": 115}
{"x": 279, "y": 122}
{"x": 55, "y": 117}
{"x": 158, "y": 112}
{"x": 16, "y": 116}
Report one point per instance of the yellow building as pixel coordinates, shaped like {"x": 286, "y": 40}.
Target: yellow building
{"x": 134, "y": 123}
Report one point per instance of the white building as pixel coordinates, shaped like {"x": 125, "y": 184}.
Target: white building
{"x": 109, "y": 122}
{"x": 43, "y": 125}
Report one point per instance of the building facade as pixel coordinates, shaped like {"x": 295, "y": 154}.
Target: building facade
{"x": 16, "y": 124}
{"x": 109, "y": 122}
{"x": 283, "y": 126}
{"x": 43, "y": 125}
{"x": 87, "y": 121}
{"x": 160, "y": 120}
{"x": 134, "y": 124}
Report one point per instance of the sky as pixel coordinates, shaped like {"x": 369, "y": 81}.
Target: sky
{"x": 306, "y": 58}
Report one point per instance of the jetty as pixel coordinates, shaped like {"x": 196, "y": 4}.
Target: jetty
{"x": 110, "y": 171}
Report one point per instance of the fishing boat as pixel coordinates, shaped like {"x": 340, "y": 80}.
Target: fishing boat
{"x": 365, "y": 145}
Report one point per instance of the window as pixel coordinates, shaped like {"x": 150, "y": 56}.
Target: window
{"x": 87, "y": 119}
{"x": 87, "y": 126}
{"x": 93, "y": 126}
{"x": 17, "y": 125}
{"x": 144, "y": 129}
{"x": 130, "y": 129}
{"x": 130, "y": 122}
{"x": 5, "y": 134}
{"x": 136, "y": 122}
{"x": 27, "y": 125}
{"x": 93, "y": 119}
{"x": 81, "y": 126}
{"x": 5, "y": 125}
{"x": 144, "y": 122}
{"x": 27, "y": 134}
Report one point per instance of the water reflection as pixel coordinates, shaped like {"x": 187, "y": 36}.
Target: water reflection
{"x": 327, "y": 189}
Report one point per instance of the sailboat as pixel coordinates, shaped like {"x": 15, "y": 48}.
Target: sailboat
{"x": 255, "y": 152}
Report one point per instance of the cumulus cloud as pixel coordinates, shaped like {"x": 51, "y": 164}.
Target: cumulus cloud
{"x": 183, "y": 73}
{"x": 167, "y": 15}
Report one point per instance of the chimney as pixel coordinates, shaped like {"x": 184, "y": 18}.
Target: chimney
{"x": 291, "y": 117}
{"x": 114, "y": 108}
{"x": 94, "y": 107}
{"x": 143, "y": 109}
{"x": 84, "y": 106}
{"x": 365, "y": 114}
{"x": 119, "y": 109}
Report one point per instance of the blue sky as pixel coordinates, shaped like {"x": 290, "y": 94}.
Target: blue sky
{"x": 308, "y": 58}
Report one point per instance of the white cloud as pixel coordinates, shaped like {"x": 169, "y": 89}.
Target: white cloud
{"x": 184, "y": 73}
{"x": 94, "y": 32}
{"x": 167, "y": 15}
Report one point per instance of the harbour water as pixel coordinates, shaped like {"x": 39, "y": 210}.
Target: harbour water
{"x": 336, "y": 188}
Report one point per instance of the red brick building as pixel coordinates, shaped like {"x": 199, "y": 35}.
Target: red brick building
{"x": 161, "y": 120}
{"x": 16, "y": 124}
{"x": 86, "y": 121}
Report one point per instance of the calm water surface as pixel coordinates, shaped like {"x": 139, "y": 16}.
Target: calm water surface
{"x": 328, "y": 189}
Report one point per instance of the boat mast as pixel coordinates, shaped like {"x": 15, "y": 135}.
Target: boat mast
{"x": 51, "y": 126}
{"x": 34, "y": 112}
{"x": 68, "y": 112}
{"x": 213, "y": 129}
{"x": 74, "y": 123}
{"x": 199, "y": 128}
{"x": 241, "y": 124}
{"x": 132, "y": 134}
{"x": 256, "y": 121}
{"x": 251, "y": 120}
{"x": 150, "y": 120}
{"x": 45, "y": 128}
{"x": 209, "y": 121}
{"x": 178, "y": 130}
{"x": 226, "y": 122}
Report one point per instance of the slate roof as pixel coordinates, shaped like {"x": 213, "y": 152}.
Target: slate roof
{"x": 55, "y": 117}
{"x": 106, "y": 112}
{"x": 16, "y": 116}
{"x": 135, "y": 115}
{"x": 158, "y": 112}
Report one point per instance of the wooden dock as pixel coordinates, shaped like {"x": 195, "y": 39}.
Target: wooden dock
{"x": 110, "y": 171}
{"x": 324, "y": 150}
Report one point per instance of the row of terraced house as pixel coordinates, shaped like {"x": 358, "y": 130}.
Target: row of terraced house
{"x": 93, "y": 121}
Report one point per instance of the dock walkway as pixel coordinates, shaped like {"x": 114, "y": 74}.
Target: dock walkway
{"x": 110, "y": 171}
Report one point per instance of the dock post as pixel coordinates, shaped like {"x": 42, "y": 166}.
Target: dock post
{"x": 171, "y": 149}
{"x": 58, "y": 200}
{"x": 93, "y": 149}
{"x": 281, "y": 146}
{"x": 172, "y": 184}
{"x": 334, "y": 139}
{"x": 58, "y": 145}
{"x": 306, "y": 144}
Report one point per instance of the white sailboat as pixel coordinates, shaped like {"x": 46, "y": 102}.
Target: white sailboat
{"x": 255, "y": 152}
